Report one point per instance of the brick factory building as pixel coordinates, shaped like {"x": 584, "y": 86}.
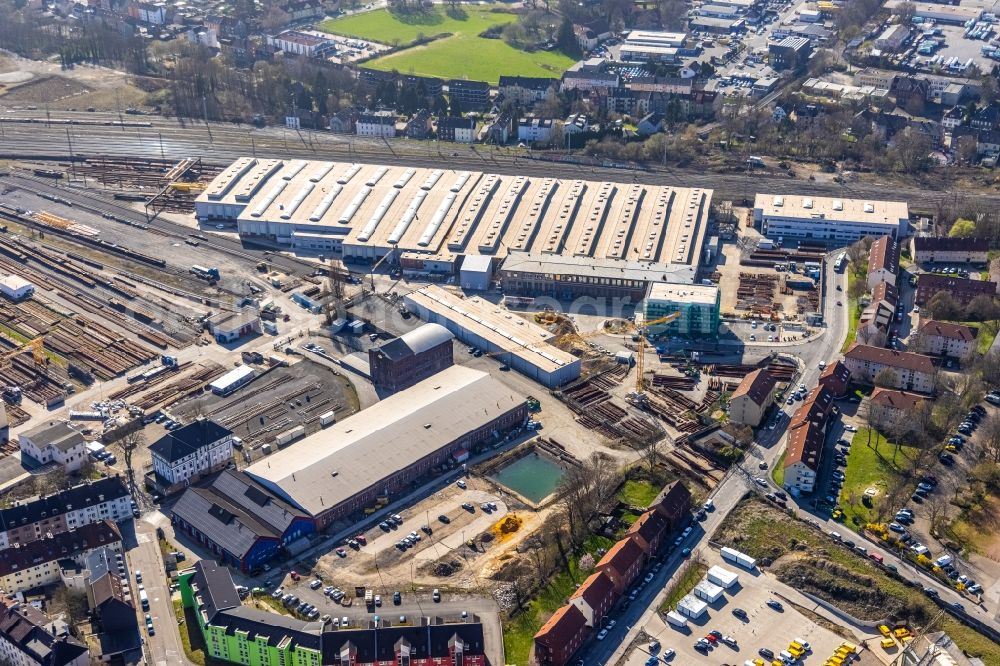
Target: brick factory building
{"x": 402, "y": 362}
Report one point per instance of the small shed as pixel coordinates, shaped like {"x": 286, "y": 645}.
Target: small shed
{"x": 691, "y": 607}
{"x": 625, "y": 357}
{"x": 707, "y": 591}
{"x": 676, "y": 619}
{"x": 723, "y": 577}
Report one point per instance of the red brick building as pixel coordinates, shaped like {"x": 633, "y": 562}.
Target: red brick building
{"x": 402, "y": 362}
{"x": 560, "y": 637}
{"x": 595, "y": 597}
{"x": 623, "y": 563}
{"x": 649, "y": 531}
{"x": 673, "y": 503}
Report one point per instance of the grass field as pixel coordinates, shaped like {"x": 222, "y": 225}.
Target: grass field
{"x": 855, "y": 273}
{"x": 638, "y": 493}
{"x": 519, "y": 632}
{"x": 778, "y": 471}
{"x": 691, "y": 576}
{"x": 987, "y": 333}
{"x": 462, "y": 55}
{"x": 868, "y": 468}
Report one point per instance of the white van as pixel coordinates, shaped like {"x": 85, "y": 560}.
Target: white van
{"x": 144, "y": 600}
{"x": 787, "y": 657}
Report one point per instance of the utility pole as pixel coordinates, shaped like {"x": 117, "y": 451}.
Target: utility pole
{"x": 72, "y": 161}
{"x": 162, "y": 154}
{"x": 204, "y": 109}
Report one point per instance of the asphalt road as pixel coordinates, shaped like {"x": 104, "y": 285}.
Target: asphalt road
{"x": 221, "y": 143}
{"x": 164, "y": 647}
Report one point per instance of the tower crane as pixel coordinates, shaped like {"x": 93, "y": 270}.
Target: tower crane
{"x": 641, "y": 349}
{"x": 37, "y": 347}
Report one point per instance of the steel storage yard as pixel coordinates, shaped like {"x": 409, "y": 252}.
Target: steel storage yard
{"x": 519, "y": 343}
{"x": 369, "y": 211}
{"x": 383, "y": 449}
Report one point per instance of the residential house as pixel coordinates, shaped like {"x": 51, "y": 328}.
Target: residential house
{"x": 887, "y": 406}
{"x": 380, "y": 124}
{"x": 650, "y": 124}
{"x": 531, "y": 129}
{"x": 560, "y": 637}
{"x": 752, "y": 398}
{"x": 27, "y": 639}
{"x": 962, "y": 290}
{"x": 649, "y": 531}
{"x": 498, "y": 130}
{"x": 37, "y": 563}
{"x": 883, "y": 261}
{"x": 470, "y": 95}
{"x": 943, "y": 338}
{"x": 987, "y": 141}
{"x": 113, "y": 609}
{"x": 986, "y": 118}
{"x": 806, "y": 439}
{"x": 240, "y": 522}
{"x": 674, "y": 504}
{"x": 594, "y": 598}
{"x": 952, "y": 118}
{"x": 835, "y": 378}
{"x": 592, "y": 75}
{"x": 526, "y": 90}
{"x": 55, "y": 442}
{"x": 930, "y": 250}
{"x": 878, "y": 314}
{"x": 876, "y": 78}
{"x": 343, "y": 121}
{"x": 623, "y": 563}
{"x": 89, "y": 502}
{"x": 419, "y": 126}
{"x": 299, "y": 10}
{"x": 910, "y": 372}
{"x": 456, "y": 128}
{"x": 190, "y": 452}
{"x": 909, "y": 87}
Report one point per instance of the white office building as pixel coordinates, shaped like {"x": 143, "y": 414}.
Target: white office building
{"x": 836, "y": 221}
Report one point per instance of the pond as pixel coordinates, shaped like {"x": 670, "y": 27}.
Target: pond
{"x": 534, "y": 476}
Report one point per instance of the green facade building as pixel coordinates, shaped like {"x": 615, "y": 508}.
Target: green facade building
{"x": 697, "y": 304}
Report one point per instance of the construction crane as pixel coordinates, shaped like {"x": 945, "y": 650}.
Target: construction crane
{"x": 641, "y": 349}
{"x": 37, "y": 347}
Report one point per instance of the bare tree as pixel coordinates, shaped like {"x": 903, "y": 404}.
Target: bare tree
{"x": 887, "y": 378}
{"x": 938, "y": 507}
{"x": 127, "y": 445}
{"x": 989, "y": 436}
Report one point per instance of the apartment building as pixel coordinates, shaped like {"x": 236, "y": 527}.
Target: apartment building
{"x": 55, "y": 442}
{"x": 911, "y": 372}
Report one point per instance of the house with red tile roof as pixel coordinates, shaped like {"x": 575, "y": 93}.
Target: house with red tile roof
{"x": 835, "y": 378}
{"x": 946, "y": 339}
{"x": 673, "y": 503}
{"x": 752, "y": 397}
{"x": 883, "y": 261}
{"x": 560, "y": 637}
{"x": 623, "y": 563}
{"x": 806, "y": 437}
{"x": 595, "y": 597}
{"x": 649, "y": 531}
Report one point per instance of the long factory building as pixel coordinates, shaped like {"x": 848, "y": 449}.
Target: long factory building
{"x": 432, "y": 218}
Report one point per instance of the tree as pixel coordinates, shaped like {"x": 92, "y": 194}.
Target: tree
{"x": 566, "y": 39}
{"x": 887, "y": 378}
{"x": 586, "y": 563}
{"x": 127, "y": 444}
{"x": 990, "y": 437}
{"x": 962, "y": 229}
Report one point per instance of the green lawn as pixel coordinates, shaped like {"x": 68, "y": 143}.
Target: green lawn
{"x": 519, "y": 632}
{"x": 638, "y": 493}
{"x": 690, "y": 577}
{"x": 868, "y": 468}
{"x": 778, "y": 471}
{"x": 853, "y": 307}
{"x": 987, "y": 333}
{"x": 461, "y": 55}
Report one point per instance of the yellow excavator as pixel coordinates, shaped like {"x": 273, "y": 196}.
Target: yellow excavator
{"x": 640, "y": 354}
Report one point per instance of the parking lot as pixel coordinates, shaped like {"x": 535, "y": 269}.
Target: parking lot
{"x": 760, "y": 627}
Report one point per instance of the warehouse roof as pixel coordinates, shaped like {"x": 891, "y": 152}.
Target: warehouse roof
{"x": 185, "y": 441}
{"x": 698, "y": 294}
{"x": 14, "y": 282}
{"x": 352, "y": 455}
{"x": 834, "y": 210}
{"x": 616, "y": 269}
{"x": 498, "y": 326}
{"x": 381, "y": 208}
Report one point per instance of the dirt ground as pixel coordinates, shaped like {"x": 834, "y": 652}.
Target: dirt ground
{"x": 728, "y": 265}
{"x": 442, "y": 559}
{"x": 31, "y": 83}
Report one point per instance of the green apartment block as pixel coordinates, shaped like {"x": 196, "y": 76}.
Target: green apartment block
{"x": 697, "y": 304}
{"x": 235, "y": 633}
